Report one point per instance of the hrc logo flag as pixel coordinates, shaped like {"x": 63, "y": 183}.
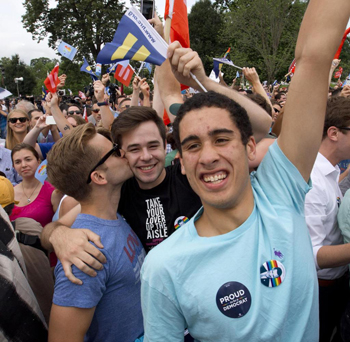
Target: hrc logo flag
{"x": 124, "y": 74}
{"x": 52, "y": 80}
{"x": 67, "y": 50}
{"x": 86, "y": 68}
{"x": 135, "y": 39}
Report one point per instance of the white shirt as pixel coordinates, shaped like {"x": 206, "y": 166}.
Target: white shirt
{"x": 321, "y": 209}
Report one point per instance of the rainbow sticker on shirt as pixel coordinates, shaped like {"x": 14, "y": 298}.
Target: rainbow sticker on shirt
{"x": 180, "y": 221}
{"x": 272, "y": 273}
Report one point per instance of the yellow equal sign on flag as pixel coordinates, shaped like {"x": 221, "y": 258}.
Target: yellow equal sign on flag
{"x": 141, "y": 54}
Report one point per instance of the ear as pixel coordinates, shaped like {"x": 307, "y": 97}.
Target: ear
{"x": 98, "y": 177}
{"x": 183, "y": 171}
{"x": 251, "y": 148}
{"x": 332, "y": 133}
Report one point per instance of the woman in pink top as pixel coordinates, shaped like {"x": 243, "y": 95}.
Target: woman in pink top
{"x": 37, "y": 201}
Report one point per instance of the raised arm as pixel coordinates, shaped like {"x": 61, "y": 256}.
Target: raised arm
{"x": 32, "y": 136}
{"x": 61, "y": 122}
{"x": 184, "y": 61}
{"x": 169, "y": 88}
{"x": 253, "y": 78}
{"x": 106, "y": 114}
{"x": 307, "y": 96}
{"x": 135, "y": 91}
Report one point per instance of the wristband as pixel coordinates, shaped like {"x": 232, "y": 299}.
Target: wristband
{"x": 100, "y": 104}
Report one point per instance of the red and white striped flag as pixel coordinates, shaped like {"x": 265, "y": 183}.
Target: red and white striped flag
{"x": 52, "y": 80}
{"x": 124, "y": 73}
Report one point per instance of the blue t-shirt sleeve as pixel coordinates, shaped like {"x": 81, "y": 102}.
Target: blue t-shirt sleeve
{"x": 45, "y": 148}
{"x": 163, "y": 320}
{"x": 86, "y": 295}
{"x": 280, "y": 181}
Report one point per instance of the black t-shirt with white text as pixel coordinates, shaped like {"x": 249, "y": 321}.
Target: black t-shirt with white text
{"x": 156, "y": 213}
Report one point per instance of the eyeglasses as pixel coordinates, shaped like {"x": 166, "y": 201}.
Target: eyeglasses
{"x": 96, "y": 110}
{"x": 71, "y": 112}
{"x": 346, "y": 128}
{"x": 21, "y": 120}
{"x": 114, "y": 150}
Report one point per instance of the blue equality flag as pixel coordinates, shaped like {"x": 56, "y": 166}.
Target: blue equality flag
{"x": 217, "y": 62}
{"x": 135, "y": 39}
{"x": 67, "y": 50}
{"x": 86, "y": 68}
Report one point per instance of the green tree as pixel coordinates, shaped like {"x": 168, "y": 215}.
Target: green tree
{"x": 15, "y": 68}
{"x": 85, "y": 24}
{"x": 263, "y": 34}
{"x": 40, "y": 67}
{"x": 205, "y": 26}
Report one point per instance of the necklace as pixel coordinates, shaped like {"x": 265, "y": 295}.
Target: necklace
{"x": 28, "y": 198}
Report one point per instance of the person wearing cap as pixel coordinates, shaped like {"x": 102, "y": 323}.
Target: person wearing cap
{"x": 7, "y": 195}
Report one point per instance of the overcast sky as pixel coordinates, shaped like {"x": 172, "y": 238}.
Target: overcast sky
{"x": 16, "y": 40}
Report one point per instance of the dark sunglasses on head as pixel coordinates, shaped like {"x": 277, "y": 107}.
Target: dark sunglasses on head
{"x": 21, "y": 120}
{"x": 115, "y": 150}
{"x": 71, "y": 112}
{"x": 96, "y": 110}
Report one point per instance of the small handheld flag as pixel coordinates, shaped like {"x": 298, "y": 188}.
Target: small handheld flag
{"x": 218, "y": 61}
{"x": 86, "y": 68}
{"x": 52, "y": 80}
{"x": 338, "y": 73}
{"x": 98, "y": 69}
{"x": 124, "y": 73}
{"x": 67, "y": 50}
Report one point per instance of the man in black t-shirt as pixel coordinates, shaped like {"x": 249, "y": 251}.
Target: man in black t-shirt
{"x": 157, "y": 200}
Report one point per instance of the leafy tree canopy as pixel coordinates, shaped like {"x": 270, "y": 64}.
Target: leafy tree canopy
{"x": 85, "y": 24}
{"x": 15, "y": 68}
{"x": 206, "y": 25}
{"x": 263, "y": 33}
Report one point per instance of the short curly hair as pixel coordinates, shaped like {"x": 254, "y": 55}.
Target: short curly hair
{"x": 211, "y": 99}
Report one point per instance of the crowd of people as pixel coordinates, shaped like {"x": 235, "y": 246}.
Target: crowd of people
{"x": 243, "y": 236}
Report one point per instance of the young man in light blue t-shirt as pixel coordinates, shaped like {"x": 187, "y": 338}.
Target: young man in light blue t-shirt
{"x": 88, "y": 167}
{"x": 242, "y": 269}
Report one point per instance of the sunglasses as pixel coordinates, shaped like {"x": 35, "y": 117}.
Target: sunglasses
{"x": 346, "y": 128}
{"x": 21, "y": 120}
{"x": 71, "y": 112}
{"x": 276, "y": 110}
{"x": 115, "y": 150}
{"x": 96, "y": 110}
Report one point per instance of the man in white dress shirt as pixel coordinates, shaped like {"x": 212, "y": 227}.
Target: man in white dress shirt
{"x": 321, "y": 208}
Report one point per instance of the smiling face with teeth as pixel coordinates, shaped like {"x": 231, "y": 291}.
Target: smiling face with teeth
{"x": 214, "y": 158}
{"x": 145, "y": 151}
